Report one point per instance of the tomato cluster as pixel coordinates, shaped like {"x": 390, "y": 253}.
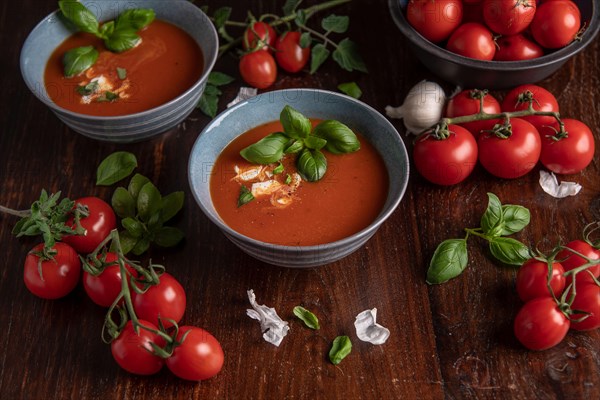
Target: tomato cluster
{"x": 506, "y": 147}
{"x": 499, "y": 30}
{"x": 265, "y": 51}
{"x": 555, "y": 303}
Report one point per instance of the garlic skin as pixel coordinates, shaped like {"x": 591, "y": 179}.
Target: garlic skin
{"x": 422, "y": 108}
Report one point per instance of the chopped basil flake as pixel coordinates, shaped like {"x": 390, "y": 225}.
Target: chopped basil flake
{"x": 245, "y": 196}
{"x": 278, "y": 169}
{"x": 88, "y": 89}
{"x": 288, "y": 179}
{"x": 107, "y": 97}
{"x": 122, "y": 73}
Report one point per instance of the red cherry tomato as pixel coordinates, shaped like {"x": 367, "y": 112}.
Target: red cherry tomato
{"x": 472, "y": 40}
{"x": 446, "y": 161}
{"x": 166, "y": 300}
{"x": 97, "y": 225}
{"x": 289, "y": 54}
{"x": 543, "y": 100}
{"x": 467, "y": 102}
{"x": 133, "y": 352}
{"x": 103, "y": 289}
{"x": 199, "y": 357}
{"x": 266, "y": 35}
{"x": 517, "y": 48}
{"x": 59, "y": 276}
{"x": 587, "y": 299}
{"x": 532, "y": 280}
{"x": 570, "y": 260}
{"x": 508, "y": 17}
{"x": 434, "y": 19}
{"x": 258, "y": 69}
{"x": 568, "y": 154}
{"x": 540, "y": 324}
{"x": 556, "y": 24}
{"x": 514, "y": 156}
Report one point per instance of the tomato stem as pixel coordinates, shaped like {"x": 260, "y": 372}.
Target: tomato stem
{"x": 483, "y": 116}
{"x": 16, "y": 213}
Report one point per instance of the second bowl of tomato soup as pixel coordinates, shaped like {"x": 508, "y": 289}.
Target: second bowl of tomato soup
{"x": 125, "y": 72}
{"x": 299, "y": 177}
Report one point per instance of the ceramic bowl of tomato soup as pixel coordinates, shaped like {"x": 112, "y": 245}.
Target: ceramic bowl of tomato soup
{"x": 292, "y": 221}
{"x": 157, "y": 84}
{"x": 474, "y": 73}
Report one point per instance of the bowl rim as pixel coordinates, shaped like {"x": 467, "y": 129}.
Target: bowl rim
{"x": 557, "y": 56}
{"x": 209, "y": 65}
{"x": 384, "y": 214}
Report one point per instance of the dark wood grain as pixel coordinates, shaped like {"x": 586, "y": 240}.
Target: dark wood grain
{"x": 449, "y": 341}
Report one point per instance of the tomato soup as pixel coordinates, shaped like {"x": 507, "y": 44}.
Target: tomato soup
{"x": 346, "y": 200}
{"x": 165, "y": 64}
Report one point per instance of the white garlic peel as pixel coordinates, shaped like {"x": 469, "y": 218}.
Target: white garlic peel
{"x": 422, "y": 108}
{"x": 273, "y": 327}
{"x": 368, "y": 330}
{"x": 550, "y": 185}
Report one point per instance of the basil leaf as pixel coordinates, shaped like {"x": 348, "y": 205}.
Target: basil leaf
{"x": 135, "y": 185}
{"x": 221, "y": 16}
{"x": 219, "y": 79}
{"x": 312, "y": 165}
{"x": 171, "y": 205}
{"x": 168, "y": 236}
{"x": 149, "y": 201}
{"x": 212, "y": 90}
{"x": 515, "y": 219}
{"x": 335, "y": 23}
{"x": 154, "y": 221}
{"x": 305, "y": 40}
{"x": 134, "y": 227}
{"x": 449, "y": 261}
{"x": 208, "y": 104}
{"x": 278, "y": 169}
{"x": 141, "y": 246}
{"x": 318, "y": 56}
{"x": 107, "y": 97}
{"x": 307, "y": 317}
{"x": 348, "y": 57}
{"x": 121, "y": 73}
{"x": 122, "y": 40}
{"x": 267, "y": 150}
{"x": 342, "y": 346}
{"x": 79, "y": 15}
{"x": 78, "y": 60}
{"x": 123, "y": 203}
{"x": 340, "y": 138}
{"x": 88, "y": 89}
{"x": 315, "y": 142}
{"x": 295, "y": 125}
{"x": 290, "y": 6}
{"x": 509, "y": 251}
{"x": 295, "y": 147}
{"x": 288, "y": 179}
{"x": 106, "y": 29}
{"x": 492, "y": 221}
{"x": 351, "y": 89}
{"x": 118, "y": 165}
{"x": 137, "y": 18}
{"x": 245, "y": 196}
{"x": 127, "y": 241}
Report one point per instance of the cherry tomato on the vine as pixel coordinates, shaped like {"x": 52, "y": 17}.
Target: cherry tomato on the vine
{"x": 587, "y": 299}
{"x": 467, "y": 102}
{"x": 434, "y": 19}
{"x": 570, "y": 153}
{"x": 266, "y": 35}
{"x": 543, "y": 100}
{"x": 446, "y": 161}
{"x": 103, "y": 289}
{"x": 199, "y": 357}
{"x": 556, "y": 23}
{"x": 133, "y": 352}
{"x": 289, "y": 54}
{"x": 516, "y": 48}
{"x": 258, "y": 69}
{"x": 540, "y": 324}
{"x": 166, "y": 300}
{"x": 472, "y": 40}
{"x": 532, "y": 279}
{"x": 508, "y": 17}
{"x": 59, "y": 275}
{"x": 570, "y": 260}
{"x": 510, "y": 157}
{"x": 97, "y": 225}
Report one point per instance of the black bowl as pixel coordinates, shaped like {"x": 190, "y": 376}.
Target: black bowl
{"x": 470, "y": 73}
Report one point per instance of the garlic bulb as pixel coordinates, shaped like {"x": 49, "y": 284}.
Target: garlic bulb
{"x": 422, "y": 108}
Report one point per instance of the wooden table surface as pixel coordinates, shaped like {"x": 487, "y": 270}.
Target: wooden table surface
{"x": 448, "y": 341}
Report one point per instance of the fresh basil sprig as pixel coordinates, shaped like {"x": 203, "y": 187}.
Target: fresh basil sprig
{"x": 297, "y": 138}
{"x": 342, "y": 346}
{"x": 451, "y": 257}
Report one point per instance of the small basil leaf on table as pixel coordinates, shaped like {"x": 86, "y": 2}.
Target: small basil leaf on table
{"x": 515, "y": 219}
{"x": 79, "y": 15}
{"x": 137, "y": 18}
{"x": 78, "y": 60}
{"x": 116, "y": 166}
{"x": 168, "y": 236}
{"x": 449, "y": 260}
{"x": 314, "y": 142}
{"x": 208, "y": 104}
{"x": 122, "y": 40}
{"x": 245, "y": 196}
{"x": 171, "y": 205}
{"x": 340, "y": 138}
{"x": 312, "y": 165}
{"x": 318, "y": 56}
{"x": 123, "y": 203}
{"x": 134, "y": 227}
{"x": 509, "y": 251}
{"x": 342, "y": 346}
{"x": 267, "y": 150}
{"x": 149, "y": 201}
{"x": 295, "y": 125}
{"x": 217, "y": 78}
{"x": 294, "y": 147}
{"x": 136, "y": 184}
{"x": 492, "y": 221}
{"x": 351, "y": 89}
{"x": 309, "y": 319}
